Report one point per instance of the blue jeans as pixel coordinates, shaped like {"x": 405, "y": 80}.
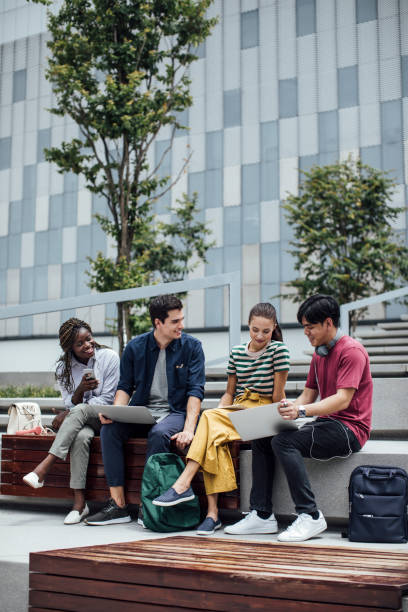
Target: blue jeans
{"x": 323, "y": 439}
{"x": 114, "y": 435}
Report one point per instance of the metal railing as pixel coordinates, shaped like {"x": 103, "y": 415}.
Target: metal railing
{"x": 231, "y": 279}
{"x": 382, "y": 297}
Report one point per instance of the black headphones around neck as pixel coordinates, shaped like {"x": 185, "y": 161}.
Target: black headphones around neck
{"x": 324, "y": 349}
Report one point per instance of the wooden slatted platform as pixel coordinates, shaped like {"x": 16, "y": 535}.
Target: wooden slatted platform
{"x": 20, "y": 455}
{"x": 190, "y": 573}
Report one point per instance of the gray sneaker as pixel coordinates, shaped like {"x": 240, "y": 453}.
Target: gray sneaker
{"x": 252, "y": 523}
{"x": 109, "y": 515}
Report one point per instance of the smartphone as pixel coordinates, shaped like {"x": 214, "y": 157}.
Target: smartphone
{"x": 89, "y": 373}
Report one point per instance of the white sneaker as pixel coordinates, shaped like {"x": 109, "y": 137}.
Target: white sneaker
{"x": 252, "y": 523}
{"x": 74, "y": 516}
{"x": 303, "y": 528}
{"x": 31, "y": 479}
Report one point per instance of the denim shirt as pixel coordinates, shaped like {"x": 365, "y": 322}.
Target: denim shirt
{"x": 184, "y": 367}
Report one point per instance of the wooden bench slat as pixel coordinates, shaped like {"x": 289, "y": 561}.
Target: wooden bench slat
{"x": 38, "y": 455}
{"x": 300, "y": 573}
{"x": 183, "y": 598}
{"x": 68, "y": 603}
{"x": 23, "y": 467}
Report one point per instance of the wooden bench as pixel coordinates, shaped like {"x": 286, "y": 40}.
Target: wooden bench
{"x": 20, "y": 455}
{"x": 189, "y": 573}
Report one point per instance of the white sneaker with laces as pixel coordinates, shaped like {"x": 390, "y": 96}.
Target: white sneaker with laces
{"x": 303, "y": 528}
{"x": 252, "y": 523}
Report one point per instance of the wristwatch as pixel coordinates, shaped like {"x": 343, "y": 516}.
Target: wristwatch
{"x": 301, "y": 412}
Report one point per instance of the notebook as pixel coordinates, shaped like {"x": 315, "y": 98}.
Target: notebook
{"x": 260, "y": 422}
{"x": 127, "y": 414}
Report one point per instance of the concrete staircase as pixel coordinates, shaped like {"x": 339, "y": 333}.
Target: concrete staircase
{"x": 388, "y": 343}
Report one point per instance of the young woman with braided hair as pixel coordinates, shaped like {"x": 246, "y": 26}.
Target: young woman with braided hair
{"x": 81, "y": 394}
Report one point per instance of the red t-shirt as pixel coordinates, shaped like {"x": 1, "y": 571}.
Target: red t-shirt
{"x": 346, "y": 366}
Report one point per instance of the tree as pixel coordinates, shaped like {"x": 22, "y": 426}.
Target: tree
{"x": 154, "y": 258}
{"x": 344, "y": 243}
{"x": 119, "y": 69}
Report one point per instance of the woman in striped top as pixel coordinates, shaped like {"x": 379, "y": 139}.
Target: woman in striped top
{"x": 257, "y": 373}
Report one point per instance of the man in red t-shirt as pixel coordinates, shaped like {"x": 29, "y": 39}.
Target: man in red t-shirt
{"x": 340, "y": 374}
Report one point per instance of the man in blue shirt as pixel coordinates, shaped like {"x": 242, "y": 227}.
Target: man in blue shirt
{"x": 164, "y": 370}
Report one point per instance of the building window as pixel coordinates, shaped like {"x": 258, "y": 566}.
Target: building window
{"x": 19, "y": 85}
{"x": 249, "y": 29}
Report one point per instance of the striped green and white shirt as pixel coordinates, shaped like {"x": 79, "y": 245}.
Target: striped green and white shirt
{"x": 255, "y": 371}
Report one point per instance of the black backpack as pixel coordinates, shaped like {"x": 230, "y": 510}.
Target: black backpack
{"x": 378, "y": 498}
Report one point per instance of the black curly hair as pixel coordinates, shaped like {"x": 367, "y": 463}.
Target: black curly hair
{"x": 67, "y": 335}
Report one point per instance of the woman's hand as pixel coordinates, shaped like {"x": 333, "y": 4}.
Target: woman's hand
{"x": 59, "y": 419}
{"x": 87, "y": 384}
{"x": 288, "y": 410}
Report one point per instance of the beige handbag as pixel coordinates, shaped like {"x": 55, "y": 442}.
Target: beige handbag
{"x": 23, "y": 415}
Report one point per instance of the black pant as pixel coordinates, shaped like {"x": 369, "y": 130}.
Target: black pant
{"x": 322, "y": 439}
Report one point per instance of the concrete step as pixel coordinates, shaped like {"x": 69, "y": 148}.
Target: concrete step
{"x": 46, "y": 419}
{"x": 44, "y": 402}
{"x": 393, "y": 333}
{"x": 404, "y": 317}
{"x": 396, "y": 359}
{"x": 218, "y": 387}
{"x": 378, "y": 369}
{"x": 386, "y": 342}
{"x": 388, "y": 350}
{"x": 329, "y": 479}
{"x": 401, "y": 325}
{"x": 387, "y": 356}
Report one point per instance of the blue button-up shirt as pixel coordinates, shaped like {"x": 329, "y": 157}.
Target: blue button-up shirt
{"x": 184, "y": 367}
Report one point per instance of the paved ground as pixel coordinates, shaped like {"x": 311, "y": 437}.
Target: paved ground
{"x": 28, "y": 526}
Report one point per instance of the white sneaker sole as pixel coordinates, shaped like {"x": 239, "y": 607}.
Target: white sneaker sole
{"x": 173, "y": 503}
{"x": 232, "y": 531}
{"x": 124, "y": 519}
{"x": 289, "y": 538}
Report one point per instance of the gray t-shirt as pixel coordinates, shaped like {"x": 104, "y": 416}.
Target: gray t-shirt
{"x": 158, "y": 399}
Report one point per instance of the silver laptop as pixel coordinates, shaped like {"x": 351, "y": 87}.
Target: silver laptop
{"x": 260, "y": 422}
{"x": 127, "y": 414}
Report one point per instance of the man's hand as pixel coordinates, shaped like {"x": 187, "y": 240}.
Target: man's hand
{"x": 59, "y": 419}
{"x": 104, "y": 420}
{"x": 288, "y": 410}
{"x": 183, "y": 439}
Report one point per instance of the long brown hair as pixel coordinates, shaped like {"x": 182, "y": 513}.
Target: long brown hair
{"x": 67, "y": 335}
{"x": 267, "y": 311}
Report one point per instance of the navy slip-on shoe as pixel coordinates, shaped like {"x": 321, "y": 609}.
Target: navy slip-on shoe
{"x": 208, "y": 526}
{"x": 172, "y": 498}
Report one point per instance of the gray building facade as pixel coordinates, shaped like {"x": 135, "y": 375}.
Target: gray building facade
{"x": 280, "y": 85}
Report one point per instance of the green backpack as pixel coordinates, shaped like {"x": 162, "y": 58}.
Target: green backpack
{"x": 161, "y": 471}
